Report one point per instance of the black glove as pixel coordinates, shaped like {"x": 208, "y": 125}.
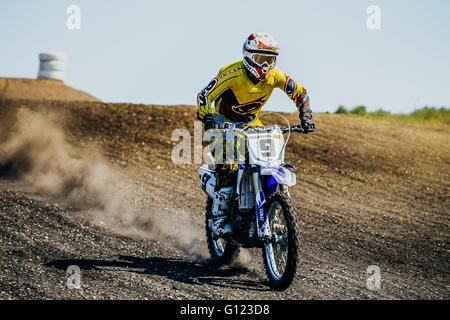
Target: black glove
{"x": 208, "y": 121}
{"x": 308, "y": 125}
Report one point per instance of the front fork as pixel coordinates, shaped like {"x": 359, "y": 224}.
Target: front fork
{"x": 262, "y": 209}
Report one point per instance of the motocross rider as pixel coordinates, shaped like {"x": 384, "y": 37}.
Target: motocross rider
{"x": 239, "y": 91}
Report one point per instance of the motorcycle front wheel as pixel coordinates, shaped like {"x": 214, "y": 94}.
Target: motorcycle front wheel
{"x": 221, "y": 251}
{"x": 281, "y": 253}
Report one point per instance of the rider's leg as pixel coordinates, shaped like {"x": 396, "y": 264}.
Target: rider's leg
{"x": 225, "y": 179}
{"x": 226, "y": 167}
{"x": 220, "y": 211}
{"x": 224, "y": 149}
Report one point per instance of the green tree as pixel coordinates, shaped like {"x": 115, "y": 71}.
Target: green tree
{"x": 359, "y": 110}
{"x": 341, "y": 109}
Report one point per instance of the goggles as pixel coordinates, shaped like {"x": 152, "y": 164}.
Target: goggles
{"x": 261, "y": 59}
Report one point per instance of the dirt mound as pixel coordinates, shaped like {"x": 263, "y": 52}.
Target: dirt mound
{"x": 368, "y": 193}
{"x": 40, "y": 89}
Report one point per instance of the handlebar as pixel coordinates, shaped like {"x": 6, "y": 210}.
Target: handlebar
{"x": 293, "y": 128}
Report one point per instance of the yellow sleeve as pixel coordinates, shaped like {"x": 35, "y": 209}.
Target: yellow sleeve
{"x": 215, "y": 88}
{"x": 288, "y": 85}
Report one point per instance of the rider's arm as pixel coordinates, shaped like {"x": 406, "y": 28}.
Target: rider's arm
{"x": 215, "y": 88}
{"x": 295, "y": 92}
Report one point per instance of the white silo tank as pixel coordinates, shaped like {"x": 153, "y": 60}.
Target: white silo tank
{"x": 53, "y": 65}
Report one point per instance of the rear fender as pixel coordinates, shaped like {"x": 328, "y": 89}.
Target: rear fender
{"x": 207, "y": 180}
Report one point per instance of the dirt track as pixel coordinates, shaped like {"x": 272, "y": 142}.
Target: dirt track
{"x": 368, "y": 193}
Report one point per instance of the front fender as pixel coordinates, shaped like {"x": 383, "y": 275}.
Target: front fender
{"x": 281, "y": 175}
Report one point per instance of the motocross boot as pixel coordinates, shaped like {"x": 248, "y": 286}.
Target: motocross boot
{"x": 220, "y": 212}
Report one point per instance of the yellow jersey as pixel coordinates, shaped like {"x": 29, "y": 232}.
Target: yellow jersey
{"x": 238, "y": 97}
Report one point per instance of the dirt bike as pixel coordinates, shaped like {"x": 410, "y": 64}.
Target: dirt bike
{"x": 261, "y": 211}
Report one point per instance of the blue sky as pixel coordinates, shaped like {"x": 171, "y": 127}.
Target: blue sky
{"x": 165, "y": 52}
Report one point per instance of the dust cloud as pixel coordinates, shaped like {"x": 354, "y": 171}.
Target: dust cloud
{"x": 34, "y": 149}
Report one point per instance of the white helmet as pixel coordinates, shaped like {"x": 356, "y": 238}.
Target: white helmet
{"x": 260, "y": 54}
